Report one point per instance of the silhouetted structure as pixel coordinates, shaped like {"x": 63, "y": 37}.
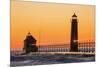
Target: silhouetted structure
{"x": 30, "y": 44}
{"x": 74, "y": 34}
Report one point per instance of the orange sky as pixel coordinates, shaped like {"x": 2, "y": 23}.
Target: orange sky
{"x": 52, "y": 21}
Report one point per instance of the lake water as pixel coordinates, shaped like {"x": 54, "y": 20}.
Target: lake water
{"x": 28, "y": 60}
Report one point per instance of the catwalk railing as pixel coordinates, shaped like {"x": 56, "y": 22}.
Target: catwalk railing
{"x": 86, "y": 46}
{"x": 83, "y": 47}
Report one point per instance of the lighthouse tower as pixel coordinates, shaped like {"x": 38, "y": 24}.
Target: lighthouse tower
{"x": 74, "y": 34}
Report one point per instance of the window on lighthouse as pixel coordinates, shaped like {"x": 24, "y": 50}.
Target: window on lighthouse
{"x": 74, "y": 16}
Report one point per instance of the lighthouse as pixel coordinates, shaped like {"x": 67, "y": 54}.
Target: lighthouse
{"x": 74, "y": 34}
{"x": 30, "y": 44}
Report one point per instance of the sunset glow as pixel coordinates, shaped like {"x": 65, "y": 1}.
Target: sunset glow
{"x": 50, "y": 23}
